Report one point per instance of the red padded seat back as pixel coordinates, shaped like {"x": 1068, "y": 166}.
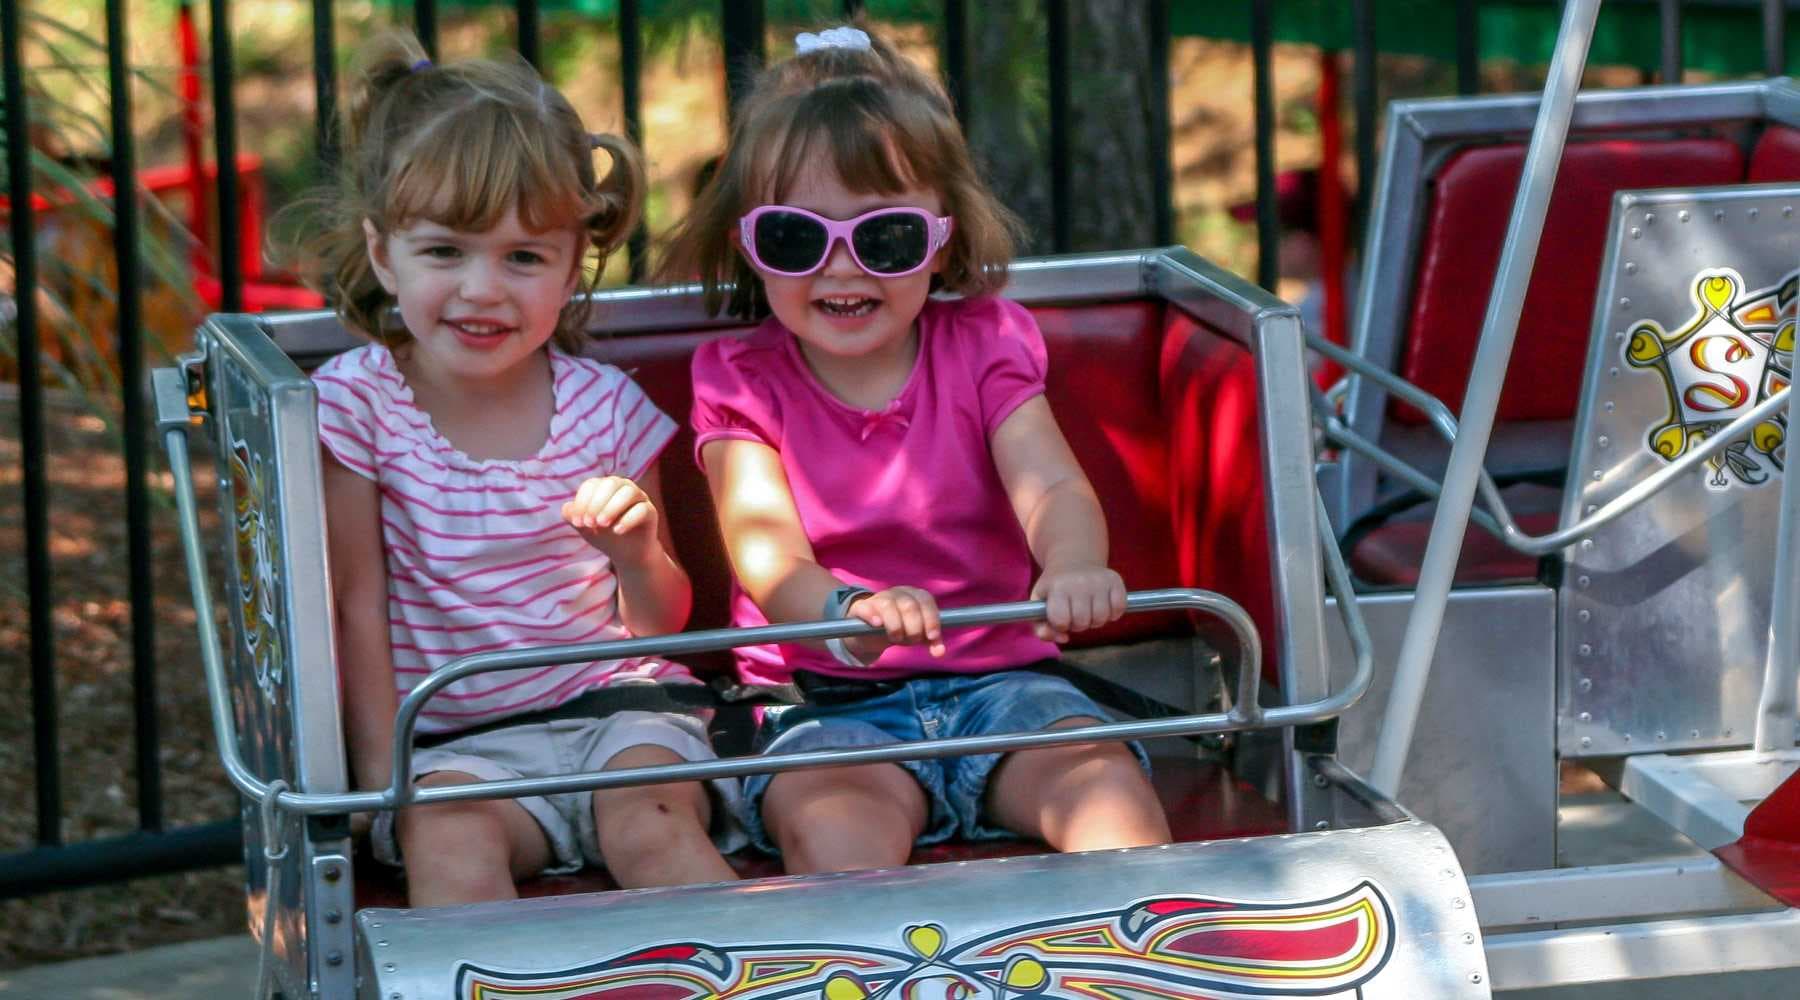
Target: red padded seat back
{"x": 1220, "y": 491}
{"x": 1161, "y": 413}
{"x": 1471, "y": 200}
{"x": 659, "y": 363}
{"x": 1776, "y": 156}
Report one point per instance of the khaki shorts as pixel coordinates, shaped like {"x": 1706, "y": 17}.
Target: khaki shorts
{"x": 569, "y": 746}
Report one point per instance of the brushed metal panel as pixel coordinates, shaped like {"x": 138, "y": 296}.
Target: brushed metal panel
{"x": 1482, "y": 767}
{"x": 1665, "y": 612}
{"x": 954, "y": 929}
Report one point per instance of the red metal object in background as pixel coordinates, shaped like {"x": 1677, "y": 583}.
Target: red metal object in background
{"x": 1333, "y": 225}
{"x": 1768, "y": 854}
{"x": 192, "y": 131}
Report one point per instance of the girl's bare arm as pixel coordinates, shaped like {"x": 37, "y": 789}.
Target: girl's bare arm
{"x": 655, "y": 596}
{"x": 359, "y": 592}
{"x": 774, "y": 561}
{"x": 1064, "y": 524}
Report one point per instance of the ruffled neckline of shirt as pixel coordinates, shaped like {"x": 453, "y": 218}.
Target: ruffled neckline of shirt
{"x": 401, "y": 392}
{"x": 896, "y": 411}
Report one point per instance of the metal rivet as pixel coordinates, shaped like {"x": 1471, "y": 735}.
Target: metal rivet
{"x": 1583, "y": 615}
{"x": 1787, "y": 211}
{"x": 1447, "y": 873}
{"x": 1624, "y": 301}
{"x": 1753, "y": 213}
{"x": 1636, "y": 232}
{"x": 1613, "y": 371}
{"x": 1585, "y": 649}
{"x": 1620, "y": 336}
{"x": 1582, "y": 581}
{"x": 1586, "y": 684}
{"x": 1320, "y": 781}
{"x": 334, "y": 958}
{"x": 1727, "y": 732}
{"x": 1608, "y": 406}
{"x": 334, "y": 916}
{"x": 389, "y": 967}
{"x": 1682, "y": 215}
{"x": 1586, "y": 742}
{"x": 1695, "y": 734}
{"x": 1599, "y": 474}
{"x": 1719, "y": 215}
{"x": 1468, "y": 938}
{"x": 1459, "y": 903}
{"x": 1604, "y": 441}
{"x": 333, "y": 873}
{"x": 396, "y": 995}
{"x": 1660, "y": 736}
{"x": 1592, "y": 508}
{"x": 1585, "y": 717}
{"x": 381, "y": 944}
{"x": 1323, "y": 824}
{"x": 1649, "y": 218}
{"x": 1630, "y": 267}
{"x": 1587, "y": 543}
{"x": 1628, "y": 737}
{"x": 1475, "y": 977}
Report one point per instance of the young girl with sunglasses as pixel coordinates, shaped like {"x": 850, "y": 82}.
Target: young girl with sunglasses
{"x": 487, "y": 488}
{"x": 876, "y": 452}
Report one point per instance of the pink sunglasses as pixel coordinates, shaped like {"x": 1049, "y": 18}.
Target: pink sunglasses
{"x": 886, "y": 243}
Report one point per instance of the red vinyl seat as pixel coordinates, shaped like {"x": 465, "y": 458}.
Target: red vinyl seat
{"x": 1470, "y": 200}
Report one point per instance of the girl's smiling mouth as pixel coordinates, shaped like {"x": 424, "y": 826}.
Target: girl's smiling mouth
{"x": 847, "y": 306}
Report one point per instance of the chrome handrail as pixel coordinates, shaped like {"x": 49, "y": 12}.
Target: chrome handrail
{"x": 1246, "y": 714}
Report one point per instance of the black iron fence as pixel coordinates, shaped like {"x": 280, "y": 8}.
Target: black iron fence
{"x": 154, "y": 848}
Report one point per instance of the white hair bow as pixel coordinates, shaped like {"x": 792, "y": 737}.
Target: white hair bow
{"x": 844, "y": 37}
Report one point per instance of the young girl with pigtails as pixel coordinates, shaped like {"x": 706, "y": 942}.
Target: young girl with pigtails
{"x": 876, "y": 452}
{"x": 488, "y": 488}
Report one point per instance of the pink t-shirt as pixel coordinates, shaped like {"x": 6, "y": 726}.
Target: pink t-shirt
{"x": 906, "y": 495}
{"x": 478, "y": 555}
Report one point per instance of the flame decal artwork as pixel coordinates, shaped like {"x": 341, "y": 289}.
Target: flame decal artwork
{"x": 1186, "y": 947}
{"x": 1736, "y": 351}
{"x": 257, "y": 584}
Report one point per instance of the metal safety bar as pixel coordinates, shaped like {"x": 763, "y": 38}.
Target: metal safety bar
{"x": 1496, "y": 518}
{"x": 1245, "y": 714}
{"x": 1500, "y": 325}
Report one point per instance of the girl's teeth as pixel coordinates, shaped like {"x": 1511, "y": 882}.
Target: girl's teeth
{"x": 847, "y": 307}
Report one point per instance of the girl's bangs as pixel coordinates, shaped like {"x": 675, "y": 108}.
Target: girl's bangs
{"x": 867, "y": 143}
{"x": 467, "y": 174}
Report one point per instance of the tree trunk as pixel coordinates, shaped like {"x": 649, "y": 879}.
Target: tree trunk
{"x": 1116, "y": 112}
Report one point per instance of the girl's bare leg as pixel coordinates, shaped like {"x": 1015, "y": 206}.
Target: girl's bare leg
{"x": 468, "y": 852}
{"x": 1086, "y": 797}
{"x": 841, "y": 819}
{"x": 657, "y": 834}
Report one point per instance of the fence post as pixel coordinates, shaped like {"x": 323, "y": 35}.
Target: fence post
{"x": 31, "y": 432}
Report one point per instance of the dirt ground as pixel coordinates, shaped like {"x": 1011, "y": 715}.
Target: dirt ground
{"x": 92, "y": 636}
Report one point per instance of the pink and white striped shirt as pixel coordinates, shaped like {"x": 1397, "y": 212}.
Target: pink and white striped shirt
{"x": 478, "y": 555}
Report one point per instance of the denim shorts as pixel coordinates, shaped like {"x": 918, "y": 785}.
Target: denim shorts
{"x": 938, "y": 707}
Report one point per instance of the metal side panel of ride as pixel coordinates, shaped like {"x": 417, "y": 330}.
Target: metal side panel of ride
{"x": 1375, "y": 912}
{"x": 261, "y": 411}
{"x": 1420, "y": 137}
{"x": 1664, "y": 614}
